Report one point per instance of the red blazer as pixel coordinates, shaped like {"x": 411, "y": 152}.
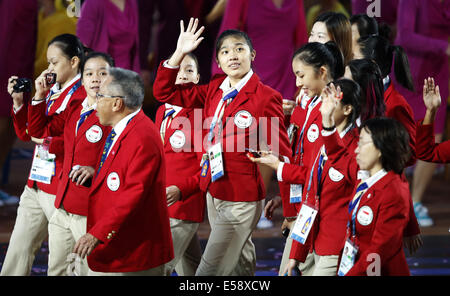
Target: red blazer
{"x": 388, "y": 200}
{"x": 398, "y": 108}
{"x": 80, "y": 149}
{"x": 242, "y": 180}
{"x": 426, "y": 147}
{"x": 328, "y": 235}
{"x": 183, "y": 168}
{"x": 56, "y": 143}
{"x": 127, "y": 203}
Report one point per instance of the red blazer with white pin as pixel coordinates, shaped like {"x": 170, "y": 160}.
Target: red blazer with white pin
{"x": 127, "y": 203}
{"x": 183, "y": 167}
{"x": 242, "y": 180}
{"x": 84, "y": 149}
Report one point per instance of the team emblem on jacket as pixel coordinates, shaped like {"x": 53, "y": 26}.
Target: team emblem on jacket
{"x": 178, "y": 139}
{"x": 243, "y": 119}
{"x": 113, "y": 181}
{"x": 313, "y": 133}
{"x": 335, "y": 175}
{"x": 365, "y": 215}
{"x": 94, "y": 134}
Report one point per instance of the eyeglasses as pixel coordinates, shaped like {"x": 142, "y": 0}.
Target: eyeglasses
{"x": 99, "y": 96}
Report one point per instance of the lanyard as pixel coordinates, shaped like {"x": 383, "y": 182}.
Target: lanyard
{"x": 220, "y": 111}
{"x": 321, "y": 157}
{"x": 354, "y": 204}
{"x": 52, "y": 100}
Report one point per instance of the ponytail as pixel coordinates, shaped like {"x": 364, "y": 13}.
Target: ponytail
{"x": 382, "y": 52}
{"x": 338, "y": 69}
{"x": 401, "y": 68}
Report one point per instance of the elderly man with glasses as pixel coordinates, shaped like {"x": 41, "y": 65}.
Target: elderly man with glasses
{"x": 128, "y": 231}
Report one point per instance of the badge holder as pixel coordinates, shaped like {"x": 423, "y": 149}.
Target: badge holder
{"x": 348, "y": 257}
{"x": 304, "y": 223}
{"x": 215, "y": 156}
{"x": 295, "y": 193}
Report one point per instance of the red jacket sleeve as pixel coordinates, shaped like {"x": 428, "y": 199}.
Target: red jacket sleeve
{"x": 427, "y": 149}
{"x": 40, "y": 125}
{"x": 187, "y": 95}
{"x": 20, "y": 121}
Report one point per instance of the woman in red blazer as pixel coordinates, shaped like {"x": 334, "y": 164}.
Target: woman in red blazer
{"x": 427, "y": 149}
{"x": 380, "y": 208}
{"x": 327, "y": 189}
{"x": 186, "y": 202}
{"x": 84, "y": 138}
{"x": 64, "y": 53}
{"x": 234, "y": 186}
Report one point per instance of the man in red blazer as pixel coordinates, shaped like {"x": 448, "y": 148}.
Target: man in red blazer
{"x": 128, "y": 230}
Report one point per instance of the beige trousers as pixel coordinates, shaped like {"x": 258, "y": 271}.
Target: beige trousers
{"x": 34, "y": 211}
{"x": 186, "y": 247}
{"x": 64, "y": 230}
{"x": 230, "y": 250}
{"x": 156, "y": 271}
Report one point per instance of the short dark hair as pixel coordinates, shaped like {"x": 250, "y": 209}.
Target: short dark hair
{"x": 97, "y": 54}
{"x": 233, "y": 33}
{"x": 194, "y": 57}
{"x": 391, "y": 138}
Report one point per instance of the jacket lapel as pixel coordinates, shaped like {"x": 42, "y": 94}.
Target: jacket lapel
{"x": 114, "y": 150}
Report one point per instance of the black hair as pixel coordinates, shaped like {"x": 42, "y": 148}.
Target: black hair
{"x": 368, "y": 75}
{"x": 194, "y": 57}
{"x": 234, "y": 33}
{"x": 391, "y": 138}
{"x": 70, "y": 45}
{"x": 379, "y": 49}
{"x": 366, "y": 25}
{"x": 351, "y": 96}
{"x": 339, "y": 30}
{"x": 97, "y": 54}
{"x": 317, "y": 55}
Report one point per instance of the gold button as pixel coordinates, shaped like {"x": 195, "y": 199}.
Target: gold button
{"x": 109, "y": 236}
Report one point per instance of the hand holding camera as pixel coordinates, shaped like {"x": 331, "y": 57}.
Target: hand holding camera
{"x": 43, "y": 84}
{"x": 16, "y": 88}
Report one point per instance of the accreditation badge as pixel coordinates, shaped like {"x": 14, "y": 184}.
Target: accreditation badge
{"x": 43, "y": 165}
{"x": 303, "y": 224}
{"x": 215, "y": 155}
{"x": 348, "y": 257}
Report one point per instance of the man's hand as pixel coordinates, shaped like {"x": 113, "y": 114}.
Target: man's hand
{"x": 85, "y": 245}
{"x": 173, "y": 195}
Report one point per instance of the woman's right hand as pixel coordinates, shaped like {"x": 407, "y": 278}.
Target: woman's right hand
{"x": 187, "y": 42}
{"x": 41, "y": 86}
{"x": 17, "y": 97}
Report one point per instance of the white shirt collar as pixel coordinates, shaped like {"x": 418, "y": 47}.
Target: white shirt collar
{"x": 225, "y": 86}
{"x": 56, "y": 86}
{"x": 176, "y": 108}
{"x": 120, "y": 126}
{"x": 86, "y": 107}
{"x": 375, "y": 178}
{"x": 345, "y": 131}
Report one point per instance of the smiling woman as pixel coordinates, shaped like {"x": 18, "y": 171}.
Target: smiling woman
{"x": 234, "y": 199}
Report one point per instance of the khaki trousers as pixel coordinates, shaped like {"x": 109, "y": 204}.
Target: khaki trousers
{"x": 64, "y": 230}
{"x": 230, "y": 250}
{"x": 156, "y": 271}
{"x": 186, "y": 247}
{"x": 34, "y": 211}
